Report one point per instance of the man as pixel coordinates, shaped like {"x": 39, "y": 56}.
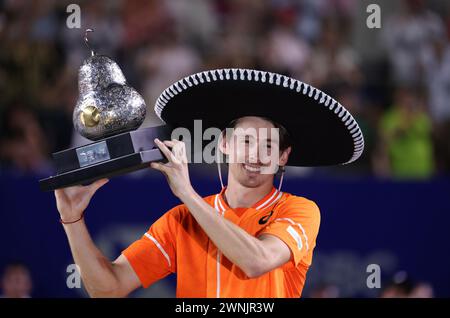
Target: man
{"x": 249, "y": 240}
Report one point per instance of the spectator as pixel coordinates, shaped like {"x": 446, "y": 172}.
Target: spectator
{"x": 406, "y": 149}
{"x": 333, "y": 60}
{"x": 406, "y": 36}
{"x": 16, "y": 281}
{"x": 325, "y": 291}
{"x": 285, "y": 52}
{"x": 162, "y": 65}
{"x": 22, "y": 143}
{"x": 402, "y": 286}
{"x": 422, "y": 290}
{"x": 436, "y": 66}
{"x": 436, "y": 62}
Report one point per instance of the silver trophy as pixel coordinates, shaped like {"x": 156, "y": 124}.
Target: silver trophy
{"x": 108, "y": 111}
{"x": 106, "y": 105}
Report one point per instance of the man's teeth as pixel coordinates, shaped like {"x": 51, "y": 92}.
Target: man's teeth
{"x": 251, "y": 169}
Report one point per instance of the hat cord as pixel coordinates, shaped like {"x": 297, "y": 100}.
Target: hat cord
{"x": 281, "y": 178}
{"x": 220, "y": 174}
{"x": 218, "y": 162}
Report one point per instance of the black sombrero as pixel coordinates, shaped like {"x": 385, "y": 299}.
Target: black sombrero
{"x": 323, "y": 132}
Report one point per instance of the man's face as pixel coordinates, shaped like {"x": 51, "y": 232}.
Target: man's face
{"x": 253, "y": 151}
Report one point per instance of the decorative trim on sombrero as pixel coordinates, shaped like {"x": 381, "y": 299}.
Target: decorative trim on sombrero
{"x": 235, "y": 74}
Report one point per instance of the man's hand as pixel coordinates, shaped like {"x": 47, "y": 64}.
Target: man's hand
{"x": 176, "y": 170}
{"x": 72, "y": 201}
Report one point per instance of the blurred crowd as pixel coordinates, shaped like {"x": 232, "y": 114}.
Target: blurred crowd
{"x": 16, "y": 282}
{"x": 400, "y": 285}
{"x": 400, "y": 98}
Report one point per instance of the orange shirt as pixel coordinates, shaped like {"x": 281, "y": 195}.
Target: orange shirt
{"x": 176, "y": 243}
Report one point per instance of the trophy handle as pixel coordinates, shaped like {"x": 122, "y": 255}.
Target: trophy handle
{"x": 86, "y": 41}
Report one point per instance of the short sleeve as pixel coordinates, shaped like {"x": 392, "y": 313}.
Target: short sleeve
{"x": 153, "y": 256}
{"x": 297, "y": 225}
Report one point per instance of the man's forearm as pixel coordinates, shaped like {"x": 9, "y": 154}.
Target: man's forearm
{"x": 95, "y": 269}
{"x": 241, "y": 248}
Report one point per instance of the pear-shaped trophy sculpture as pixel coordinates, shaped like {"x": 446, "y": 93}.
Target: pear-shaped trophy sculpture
{"x": 108, "y": 112}
{"x": 106, "y": 104}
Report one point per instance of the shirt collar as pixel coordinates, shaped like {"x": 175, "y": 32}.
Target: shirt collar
{"x": 273, "y": 196}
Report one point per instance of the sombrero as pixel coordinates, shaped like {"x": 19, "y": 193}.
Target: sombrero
{"x": 322, "y": 131}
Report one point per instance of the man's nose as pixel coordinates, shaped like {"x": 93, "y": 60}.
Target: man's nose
{"x": 253, "y": 153}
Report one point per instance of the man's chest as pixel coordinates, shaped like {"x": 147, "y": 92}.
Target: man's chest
{"x": 192, "y": 236}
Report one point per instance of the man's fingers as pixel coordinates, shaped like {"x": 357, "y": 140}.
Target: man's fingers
{"x": 178, "y": 150}
{"x": 158, "y": 166}
{"x": 169, "y": 143}
{"x": 97, "y": 184}
{"x": 164, "y": 149}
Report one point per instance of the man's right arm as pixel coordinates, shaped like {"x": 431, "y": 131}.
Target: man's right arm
{"x": 100, "y": 277}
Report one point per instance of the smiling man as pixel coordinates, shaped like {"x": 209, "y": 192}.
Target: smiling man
{"x": 250, "y": 239}
{"x": 253, "y": 240}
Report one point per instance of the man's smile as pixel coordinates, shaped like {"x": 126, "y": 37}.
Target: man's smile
{"x": 252, "y": 168}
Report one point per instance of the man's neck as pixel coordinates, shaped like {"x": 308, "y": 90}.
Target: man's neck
{"x": 237, "y": 195}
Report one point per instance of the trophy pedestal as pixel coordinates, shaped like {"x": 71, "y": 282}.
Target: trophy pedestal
{"x": 105, "y": 158}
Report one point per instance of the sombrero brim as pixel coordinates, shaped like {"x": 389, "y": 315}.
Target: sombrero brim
{"x": 322, "y": 130}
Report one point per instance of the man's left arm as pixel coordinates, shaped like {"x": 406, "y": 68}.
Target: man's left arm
{"x": 254, "y": 256}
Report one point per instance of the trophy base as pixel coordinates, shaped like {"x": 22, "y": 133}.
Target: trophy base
{"x": 106, "y": 158}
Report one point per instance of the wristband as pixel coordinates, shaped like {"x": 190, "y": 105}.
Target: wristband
{"x": 71, "y": 222}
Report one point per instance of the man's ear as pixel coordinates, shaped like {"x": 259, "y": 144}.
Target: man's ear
{"x": 285, "y": 156}
{"x": 223, "y": 146}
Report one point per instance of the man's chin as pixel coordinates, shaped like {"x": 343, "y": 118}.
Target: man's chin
{"x": 252, "y": 182}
